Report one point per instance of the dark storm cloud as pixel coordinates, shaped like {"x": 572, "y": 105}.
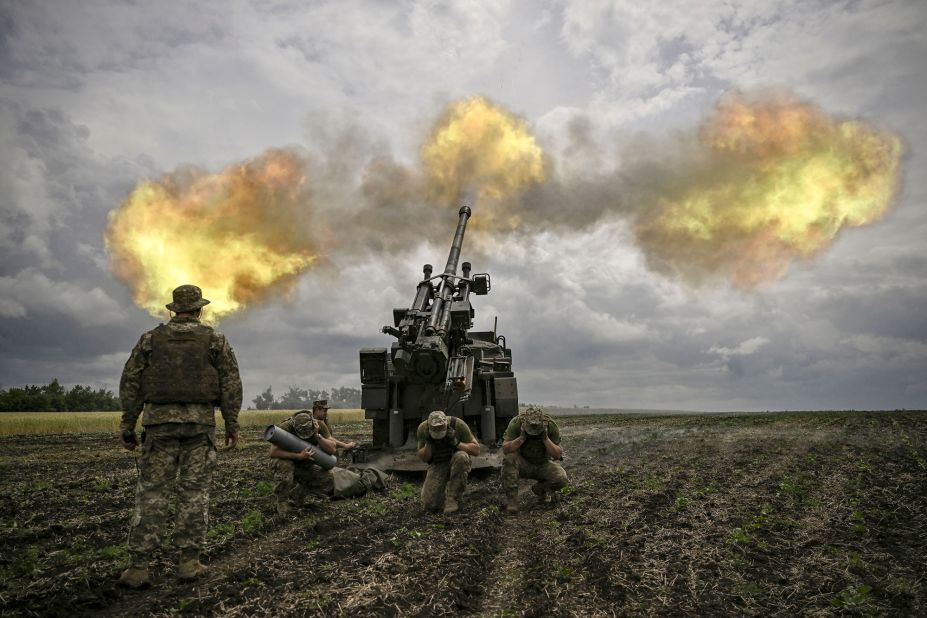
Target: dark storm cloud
{"x": 98, "y": 96}
{"x": 58, "y": 304}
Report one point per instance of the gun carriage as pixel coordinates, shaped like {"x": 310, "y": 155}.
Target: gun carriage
{"x": 438, "y": 363}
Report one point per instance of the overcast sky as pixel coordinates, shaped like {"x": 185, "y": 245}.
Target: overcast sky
{"x": 95, "y": 96}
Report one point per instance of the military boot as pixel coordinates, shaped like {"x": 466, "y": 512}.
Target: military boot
{"x": 450, "y": 505}
{"x": 135, "y": 577}
{"x": 190, "y": 566}
{"x": 511, "y": 505}
{"x": 284, "y": 508}
{"x": 540, "y": 492}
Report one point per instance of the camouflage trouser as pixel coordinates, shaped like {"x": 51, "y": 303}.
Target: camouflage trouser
{"x": 449, "y": 476}
{"x": 550, "y": 475}
{"x": 295, "y": 482}
{"x": 178, "y": 459}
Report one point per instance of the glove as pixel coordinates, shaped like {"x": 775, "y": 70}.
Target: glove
{"x": 451, "y": 438}
{"x": 129, "y": 439}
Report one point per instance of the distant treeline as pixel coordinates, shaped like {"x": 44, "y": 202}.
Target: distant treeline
{"x": 54, "y": 397}
{"x": 296, "y": 398}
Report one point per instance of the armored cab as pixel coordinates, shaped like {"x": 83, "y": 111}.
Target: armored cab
{"x": 438, "y": 363}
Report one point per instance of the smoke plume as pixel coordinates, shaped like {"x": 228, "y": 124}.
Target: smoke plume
{"x": 772, "y": 181}
{"x": 240, "y": 234}
{"x": 766, "y": 180}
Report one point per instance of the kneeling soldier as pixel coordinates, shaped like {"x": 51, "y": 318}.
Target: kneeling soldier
{"x": 530, "y": 442}
{"x": 299, "y": 477}
{"x": 445, "y": 443}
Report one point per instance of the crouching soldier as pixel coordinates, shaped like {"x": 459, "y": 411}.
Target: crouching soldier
{"x": 530, "y": 443}
{"x": 298, "y": 477}
{"x": 446, "y": 444}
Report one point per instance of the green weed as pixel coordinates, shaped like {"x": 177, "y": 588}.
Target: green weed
{"x": 221, "y": 531}
{"x": 739, "y": 535}
{"x": 374, "y": 507}
{"x": 114, "y": 552}
{"x": 264, "y": 488}
{"x": 679, "y": 504}
{"x": 652, "y": 482}
{"x": 252, "y": 522}
{"x": 852, "y": 597}
{"x": 858, "y": 522}
{"x": 406, "y": 491}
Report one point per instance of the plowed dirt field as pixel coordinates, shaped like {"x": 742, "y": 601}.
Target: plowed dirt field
{"x": 785, "y": 514}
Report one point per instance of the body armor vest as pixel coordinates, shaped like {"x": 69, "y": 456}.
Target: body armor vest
{"x": 533, "y": 450}
{"x": 441, "y": 450}
{"x": 179, "y": 370}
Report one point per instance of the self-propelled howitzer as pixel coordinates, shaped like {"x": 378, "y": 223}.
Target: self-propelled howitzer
{"x": 438, "y": 363}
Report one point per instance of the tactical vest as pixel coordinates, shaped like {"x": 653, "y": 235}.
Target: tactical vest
{"x": 179, "y": 370}
{"x": 533, "y": 450}
{"x": 441, "y": 450}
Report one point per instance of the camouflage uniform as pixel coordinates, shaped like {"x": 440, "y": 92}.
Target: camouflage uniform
{"x": 298, "y": 479}
{"x": 179, "y": 442}
{"x": 449, "y": 468}
{"x": 531, "y": 461}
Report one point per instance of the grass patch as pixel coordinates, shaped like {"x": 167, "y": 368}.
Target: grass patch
{"x": 853, "y": 596}
{"x": 115, "y": 552}
{"x": 253, "y": 521}
{"x": 406, "y": 491}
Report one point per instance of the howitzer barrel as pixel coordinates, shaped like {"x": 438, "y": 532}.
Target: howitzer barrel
{"x": 288, "y": 442}
{"x": 454, "y": 255}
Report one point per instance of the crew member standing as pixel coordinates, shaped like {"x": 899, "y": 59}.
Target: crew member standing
{"x": 175, "y": 377}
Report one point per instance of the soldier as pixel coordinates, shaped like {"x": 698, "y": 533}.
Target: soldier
{"x": 530, "y": 443}
{"x": 175, "y": 377}
{"x": 298, "y": 477}
{"x": 320, "y": 413}
{"x": 446, "y": 444}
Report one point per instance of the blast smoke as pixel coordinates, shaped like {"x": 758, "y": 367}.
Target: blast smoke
{"x": 241, "y": 234}
{"x": 773, "y": 180}
{"x": 766, "y": 180}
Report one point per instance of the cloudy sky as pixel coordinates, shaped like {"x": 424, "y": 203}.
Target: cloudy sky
{"x": 95, "y": 96}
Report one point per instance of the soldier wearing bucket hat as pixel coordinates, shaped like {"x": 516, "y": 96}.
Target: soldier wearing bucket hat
{"x": 175, "y": 377}
{"x": 530, "y": 444}
{"x": 446, "y": 444}
{"x": 298, "y": 478}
